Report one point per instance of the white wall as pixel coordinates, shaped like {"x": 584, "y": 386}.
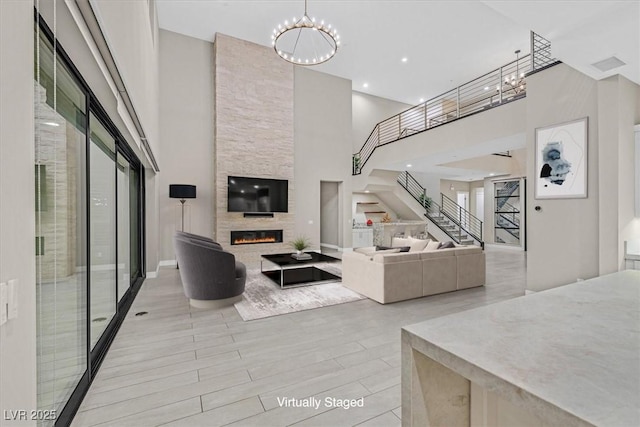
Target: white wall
{"x": 583, "y": 238}
{"x": 473, "y": 187}
{"x": 186, "y": 135}
{"x": 563, "y": 237}
{"x": 446, "y": 186}
{"x": 368, "y": 111}
{"x": 618, "y": 112}
{"x": 329, "y": 213}
{"x": 131, "y": 34}
{"x": 152, "y": 216}
{"x": 118, "y": 18}
{"x": 431, "y": 182}
{"x": 17, "y": 210}
{"x": 322, "y": 131}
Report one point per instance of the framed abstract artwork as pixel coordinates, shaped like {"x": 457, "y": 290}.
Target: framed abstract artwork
{"x": 561, "y": 160}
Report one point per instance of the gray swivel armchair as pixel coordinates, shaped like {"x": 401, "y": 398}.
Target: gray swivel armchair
{"x": 211, "y": 277}
{"x": 191, "y": 236}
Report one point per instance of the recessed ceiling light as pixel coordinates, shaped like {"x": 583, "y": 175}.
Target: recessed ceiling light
{"x": 421, "y": 100}
{"x": 405, "y": 59}
{"x": 366, "y": 191}
{"x": 365, "y": 85}
{"x": 409, "y": 165}
{"x": 491, "y": 174}
{"x": 52, "y": 124}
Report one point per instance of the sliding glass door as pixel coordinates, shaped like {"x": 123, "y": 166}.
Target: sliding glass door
{"x": 135, "y": 222}
{"x": 124, "y": 224}
{"x": 61, "y": 233}
{"x": 102, "y": 214}
{"x": 88, "y": 246}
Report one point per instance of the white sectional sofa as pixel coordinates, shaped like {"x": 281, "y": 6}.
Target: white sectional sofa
{"x": 389, "y": 276}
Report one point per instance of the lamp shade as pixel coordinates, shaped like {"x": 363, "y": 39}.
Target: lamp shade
{"x": 182, "y": 191}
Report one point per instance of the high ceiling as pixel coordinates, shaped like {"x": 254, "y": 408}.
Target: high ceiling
{"x": 446, "y": 43}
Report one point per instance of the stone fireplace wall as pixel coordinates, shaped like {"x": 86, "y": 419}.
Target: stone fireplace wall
{"x": 253, "y": 137}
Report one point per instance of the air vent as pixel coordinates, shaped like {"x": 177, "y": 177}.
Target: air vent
{"x": 608, "y": 64}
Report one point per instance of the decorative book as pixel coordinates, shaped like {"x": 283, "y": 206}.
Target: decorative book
{"x": 300, "y": 257}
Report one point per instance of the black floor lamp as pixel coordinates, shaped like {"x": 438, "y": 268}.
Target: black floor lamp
{"x": 182, "y": 192}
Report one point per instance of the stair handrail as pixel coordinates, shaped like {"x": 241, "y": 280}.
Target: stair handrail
{"x": 432, "y": 209}
{"x": 511, "y": 210}
{"x": 509, "y": 231}
{"x": 473, "y": 224}
{"x": 469, "y": 98}
{"x": 503, "y": 216}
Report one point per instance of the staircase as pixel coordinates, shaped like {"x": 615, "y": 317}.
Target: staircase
{"x": 455, "y": 221}
{"x": 505, "y": 192}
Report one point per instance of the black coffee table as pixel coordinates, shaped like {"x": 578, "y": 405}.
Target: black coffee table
{"x": 298, "y": 272}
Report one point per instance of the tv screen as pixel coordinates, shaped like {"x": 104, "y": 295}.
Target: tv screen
{"x": 257, "y": 194}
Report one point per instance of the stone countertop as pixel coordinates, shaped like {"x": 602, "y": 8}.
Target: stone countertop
{"x": 571, "y": 353}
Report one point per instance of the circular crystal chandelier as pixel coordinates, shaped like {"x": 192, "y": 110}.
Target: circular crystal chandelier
{"x": 305, "y": 41}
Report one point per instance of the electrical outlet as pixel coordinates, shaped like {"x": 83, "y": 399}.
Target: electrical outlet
{"x": 12, "y": 299}
{"x": 3, "y": 303}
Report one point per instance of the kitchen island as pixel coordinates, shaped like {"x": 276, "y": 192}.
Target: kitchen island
{"x": 569, "y": 356}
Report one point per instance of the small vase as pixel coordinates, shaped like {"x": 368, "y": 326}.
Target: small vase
{"x": 298, "y": 252}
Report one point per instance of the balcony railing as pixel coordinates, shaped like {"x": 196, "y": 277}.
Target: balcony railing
{"x": 497, "y": 87}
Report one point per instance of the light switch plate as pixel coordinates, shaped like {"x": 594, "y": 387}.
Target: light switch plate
{"x": 12, "y": 299}
{"x": 3, "y": 303}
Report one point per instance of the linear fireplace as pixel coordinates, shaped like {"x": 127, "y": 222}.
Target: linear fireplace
{"x": 251, "y": 237}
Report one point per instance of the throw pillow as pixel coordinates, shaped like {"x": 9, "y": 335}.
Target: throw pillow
{"x": 402, "y": 248}
{"x": 387, "y": 251}
{"x": 383, "y": 252}
{"x": 382, "y": 248}
{"x": 365, "y": 250}
{"x": 432, "y": 246}
{"x": 398, "y": 242}
{"x": 446, "y": 245}
{"x": 417, "y": 244}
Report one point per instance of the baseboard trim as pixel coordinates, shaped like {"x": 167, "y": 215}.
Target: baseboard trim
{"x": 153, "y": 274}
{"x": 326, "y": 245}
{"x": 500, "y": 246}
{"x": 168, "y": 263}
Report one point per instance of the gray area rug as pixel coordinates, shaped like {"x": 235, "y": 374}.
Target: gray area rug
{"x": 263, "y": 298}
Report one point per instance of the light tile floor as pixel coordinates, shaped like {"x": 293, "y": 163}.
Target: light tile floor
{"x": 182, "y": 366}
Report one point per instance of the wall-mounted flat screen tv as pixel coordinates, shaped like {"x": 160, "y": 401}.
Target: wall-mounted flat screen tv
{"x": 257, "y": 194}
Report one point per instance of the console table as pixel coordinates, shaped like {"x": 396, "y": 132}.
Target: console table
{"x": 568, "y": 356}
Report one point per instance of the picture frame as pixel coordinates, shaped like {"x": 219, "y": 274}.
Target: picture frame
{"x": 561, "y": 168}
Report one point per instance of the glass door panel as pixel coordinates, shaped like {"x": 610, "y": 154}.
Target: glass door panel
{"x": 134, "y": 228}
{"x": 61, "y": 233}
{"x": 124, "y": 221}
{"x": 102, "y": 241}
{"x": 507, "y": 212}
